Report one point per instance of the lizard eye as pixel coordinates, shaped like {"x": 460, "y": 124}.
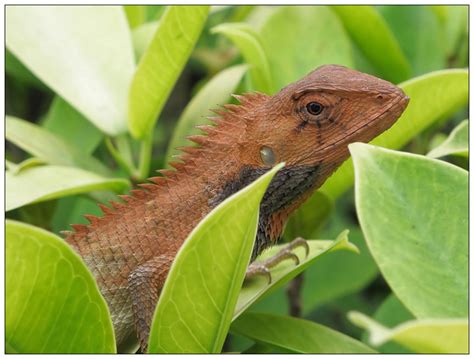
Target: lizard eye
{"x": 314, "y": 108}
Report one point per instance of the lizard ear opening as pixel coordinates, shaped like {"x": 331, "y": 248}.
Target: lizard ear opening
{"x": 267, "y": 155}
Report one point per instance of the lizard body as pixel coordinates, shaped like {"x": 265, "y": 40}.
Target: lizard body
{"x": 308, "y": 125}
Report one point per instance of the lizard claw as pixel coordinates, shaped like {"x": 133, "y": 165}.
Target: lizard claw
{"x": 285, "y": 253}
{"x": 263, "y": 268}
{"x": 299, "y": 242}
{"x": 255, "y": 269}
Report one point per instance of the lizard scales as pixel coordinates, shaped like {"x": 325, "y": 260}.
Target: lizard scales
{"x": 308, "y": 125}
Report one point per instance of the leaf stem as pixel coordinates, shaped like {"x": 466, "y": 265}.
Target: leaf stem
{"x": 123, "y": 146}
{"x": 145, "y": 156}
{"x": 118, "y": 157}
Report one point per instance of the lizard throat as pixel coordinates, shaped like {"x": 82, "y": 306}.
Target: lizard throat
{"x": 288, "y": 185}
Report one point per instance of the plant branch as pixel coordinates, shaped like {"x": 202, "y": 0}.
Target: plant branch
{"x": 293, "y": 292}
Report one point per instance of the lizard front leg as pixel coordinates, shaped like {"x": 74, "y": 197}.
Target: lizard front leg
{"x": 145, "y": 284}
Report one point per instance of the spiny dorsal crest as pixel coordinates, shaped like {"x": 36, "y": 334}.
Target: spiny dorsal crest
{"x": 227, "y": 126}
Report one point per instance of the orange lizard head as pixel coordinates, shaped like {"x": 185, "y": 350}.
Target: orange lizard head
{"x": 314, "y": 119}
{"x": 308, "y": 125}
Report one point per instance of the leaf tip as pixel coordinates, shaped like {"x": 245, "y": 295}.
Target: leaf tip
{"x": 357, "y": 319}
{"x": 343, "y": 242}
{"x": 378, "y": 334}
{"x": 351, "y": 247}
{"x": 216, "y": 29}
{"x": 357, "y": 148}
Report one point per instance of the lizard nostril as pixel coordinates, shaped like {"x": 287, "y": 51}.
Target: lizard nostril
{"x": 380, "y": 97}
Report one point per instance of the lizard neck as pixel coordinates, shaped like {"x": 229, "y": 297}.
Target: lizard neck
{"x": 290, "y": 186}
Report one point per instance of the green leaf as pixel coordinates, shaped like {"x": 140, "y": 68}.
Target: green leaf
{"x": 52, "y": 301}
{"x": 257, "y": 287}
{"x": 259, "y": 348}
{"x": 16, "y": 69}
{"x": 84, "y": 53}
{"x": 456, "y": 27}
{"x": 65, "y": 121}
{"x": 49, "y": 147}
{"x": 161, "y": 65}
{"x": 296, "y": 335}
{"x": 433, "y": 98}
{"x": 423, "y": 47}
{"x": 215, "y": 9}
{"x": 154, "y": 12}
{"x": 456, "y": 144}
{"x": 259, "y": 16}
{"x": 250, "y": 45}
{"x": 441, "y": 12}
{"x": 309, "y": 217}
{"x": 422, "y": 336}
{"x": 414, "y": 214}
{"x": 201, "y": 291}
{"x": 391, "y": 313}
{"x": 28, "y": 163}
{"x": 372, "y": 35}
{"x": 216, "y": 92}
{"x": 142, "y": 37}
{"x": 322, "y": 284}
{"x": 241, "y": 12}
{"x": 136, "y": 15}
{"x": 311, "y": 36}
{"x": 44, "y": 183}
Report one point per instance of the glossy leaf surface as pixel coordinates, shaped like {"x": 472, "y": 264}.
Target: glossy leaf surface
{"x": 457, "y": 143}
{"x": 49, "y": 147}
{"x": 414, "y": 214}
{"x": 372, "y": 35}
{"x": 296, "y": 335}
{"x": 425, "y": 336}
{"x": 161, "y": 65}
{"x": 250, "y": 45}
{"x": 43, "y": 183}
{"x": 84, "y": 53}
{"x": 52, "y": 301}
{"x": 198, "y": 299}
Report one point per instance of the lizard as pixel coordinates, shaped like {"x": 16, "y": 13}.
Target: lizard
{"x": 307, "y": 124}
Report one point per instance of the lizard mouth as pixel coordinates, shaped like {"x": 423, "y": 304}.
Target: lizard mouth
{"x": 388, "y": 118}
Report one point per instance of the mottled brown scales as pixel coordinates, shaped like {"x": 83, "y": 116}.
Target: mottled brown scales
{"x": 131, "y": 247}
